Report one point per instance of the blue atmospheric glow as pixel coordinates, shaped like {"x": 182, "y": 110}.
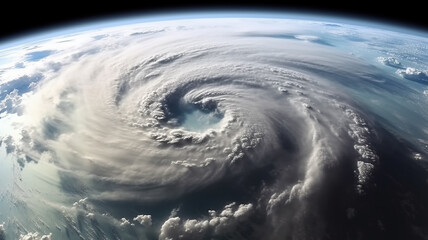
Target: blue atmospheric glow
{"x": 118, "y": 20}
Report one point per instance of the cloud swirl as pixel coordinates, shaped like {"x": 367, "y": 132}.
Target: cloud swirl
{"x": 159, "y": 112}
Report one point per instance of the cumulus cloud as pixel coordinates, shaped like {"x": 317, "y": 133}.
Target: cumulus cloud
{"x": 125, "y": 222}
{"x": 171, "y": 229}
{"x": 81, "y": 202}
{"x": 364, "y": 171}
{"x": 46, "y": 237}
{"x": 276, "y": 200}
{"x": 217, "y": 224}
{"x": 359, "y": 131}
{"x": 390, "y": 61}
{"x": 35, "y": 236}
{"x": 29, "y": 236}
{"x": 145, "y": 220}
{"x": 414, "y": 74}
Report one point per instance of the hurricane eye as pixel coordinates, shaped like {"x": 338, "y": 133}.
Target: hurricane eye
{"x": 198, "y": 120}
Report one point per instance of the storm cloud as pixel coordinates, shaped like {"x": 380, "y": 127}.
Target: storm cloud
{"x": 158, "y": 113}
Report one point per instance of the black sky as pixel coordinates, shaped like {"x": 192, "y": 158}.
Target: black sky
{"x": 22, "y": 18}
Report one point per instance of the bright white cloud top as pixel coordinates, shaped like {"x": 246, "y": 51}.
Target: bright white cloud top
{"x": 292, "y": 121}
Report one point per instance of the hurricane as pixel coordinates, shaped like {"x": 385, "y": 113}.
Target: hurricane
{"x": 215, "y": 129}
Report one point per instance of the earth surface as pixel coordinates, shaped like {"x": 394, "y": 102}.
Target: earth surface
{"x": 193, "y": 127}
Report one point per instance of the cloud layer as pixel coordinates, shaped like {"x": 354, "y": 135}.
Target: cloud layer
{"x": 277, "y": 119}
{"x": 146, "y": 99}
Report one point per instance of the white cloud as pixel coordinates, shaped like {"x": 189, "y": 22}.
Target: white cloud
{"x": 29, "y": 236}
{"x": 81, "y": 202}
{"x": 276, "y": 200}
{"x": 390, "y": 61}
{"x": 125, "y": 222}
{"x": 46, "y": 237}
{"x": 417, "y": 156}
{"x": 195, "y": 226}
{"x": 174, "y": 212}
{"x": 243, "y": 210}
{"x": 171, "y": 229}
{"x": 360, "y": 133}
{"x": 414, "y": 74}
{"x": 364, "y": 172}
{"x": 35, "y": 236}
{"x": 215, "y": 223}
{"x": 145, "y": 220}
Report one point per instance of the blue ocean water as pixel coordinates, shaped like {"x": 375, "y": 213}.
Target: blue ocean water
{"x": 199, "y": 121}
{"x": 36, "y": 56}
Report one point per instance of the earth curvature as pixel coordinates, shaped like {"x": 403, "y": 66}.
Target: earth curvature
{"x": 194, "y": 127}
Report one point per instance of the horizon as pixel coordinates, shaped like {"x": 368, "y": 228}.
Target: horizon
{"x": 114, "y": 20}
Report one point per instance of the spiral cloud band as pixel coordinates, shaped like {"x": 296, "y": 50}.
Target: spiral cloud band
{"x": 156, "y": 113}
